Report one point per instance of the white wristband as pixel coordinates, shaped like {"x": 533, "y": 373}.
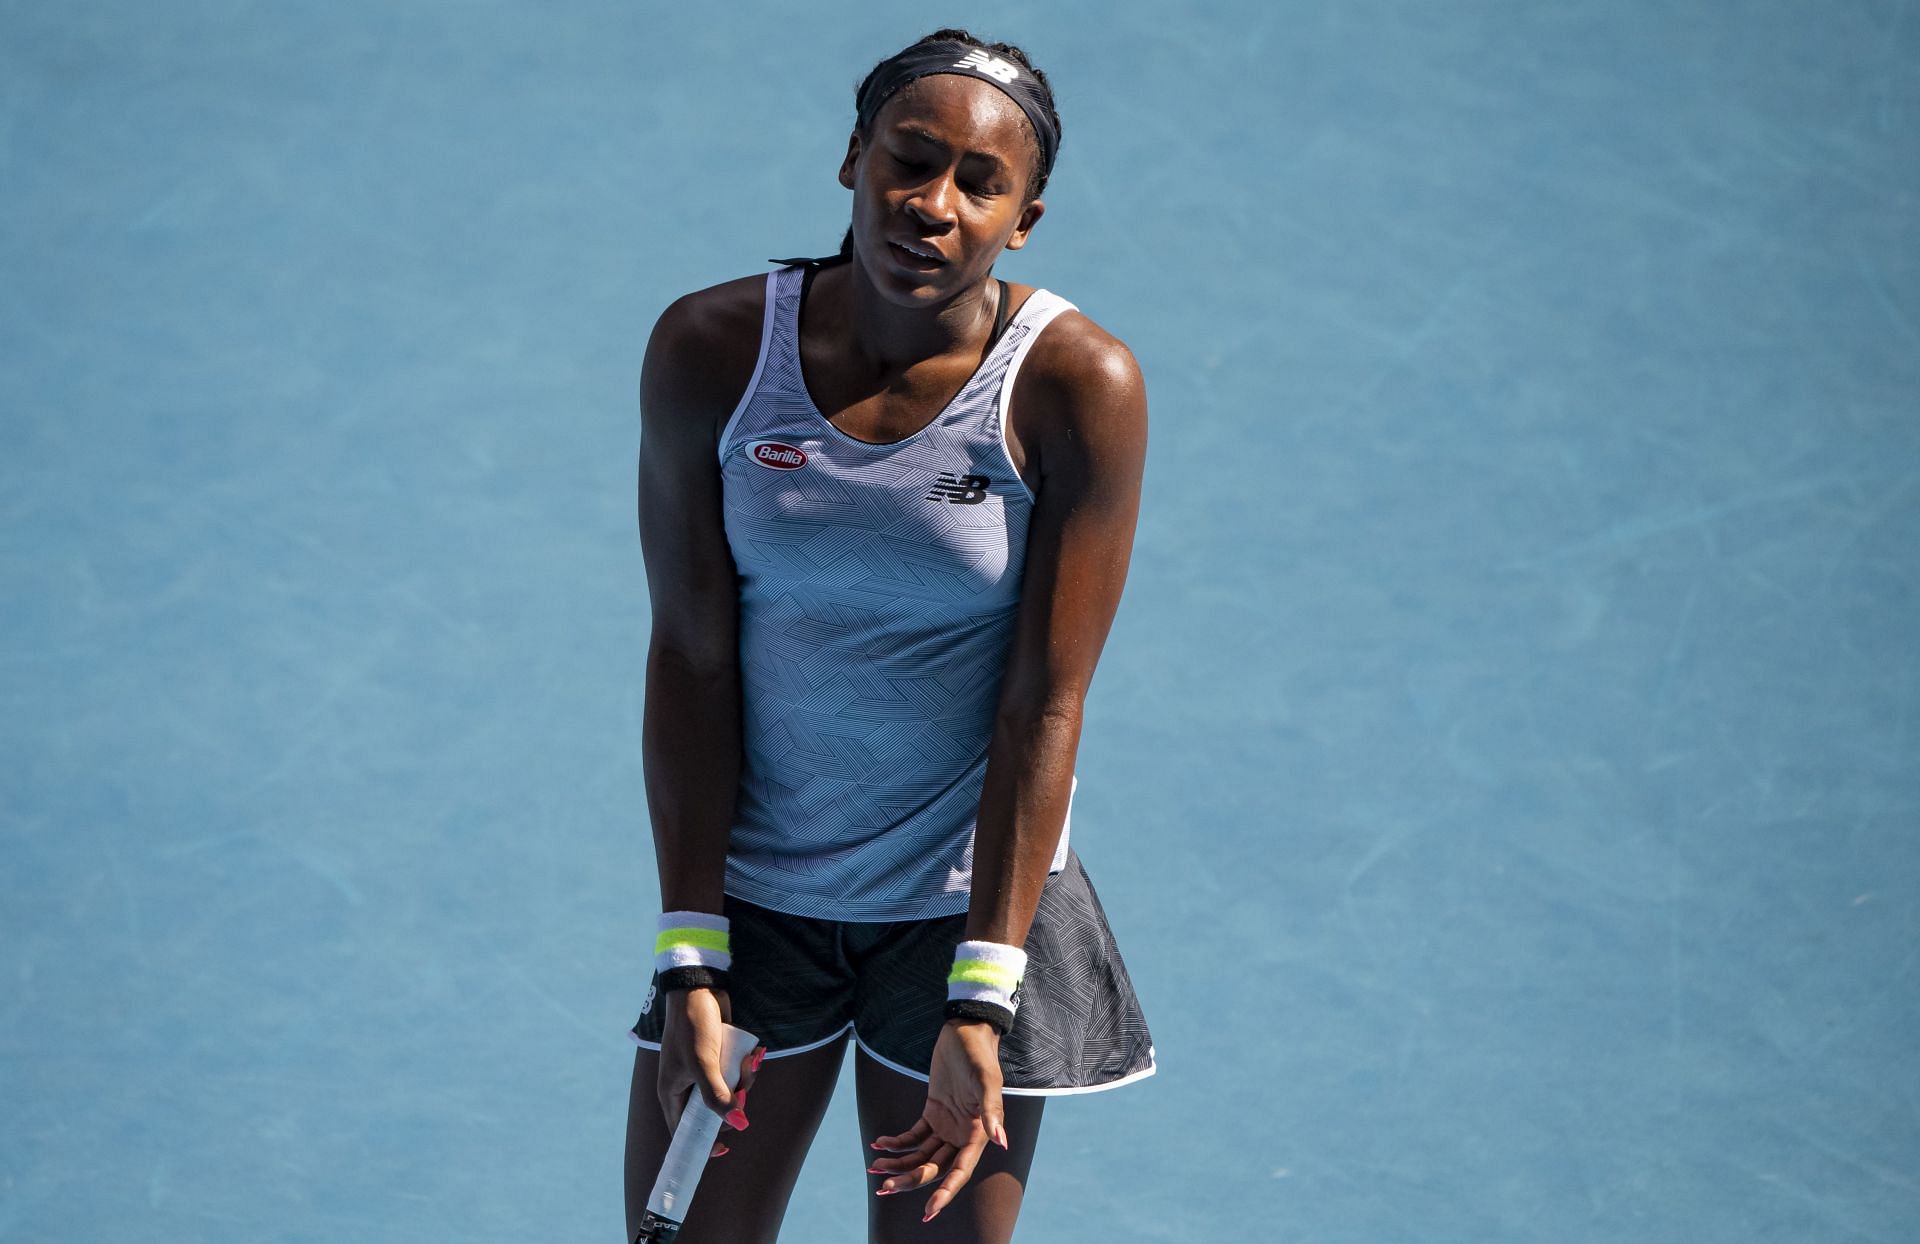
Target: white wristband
{"x": 987, "y": 972}
{"x": 692, "y": 939}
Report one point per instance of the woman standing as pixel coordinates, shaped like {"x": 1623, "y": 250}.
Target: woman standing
{"x": 886, "y": 503}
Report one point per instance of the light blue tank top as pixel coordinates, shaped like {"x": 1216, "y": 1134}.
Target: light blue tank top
{"x": 878, "y": 588}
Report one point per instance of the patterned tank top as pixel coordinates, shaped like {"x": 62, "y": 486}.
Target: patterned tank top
{"x": 878, "y": 588}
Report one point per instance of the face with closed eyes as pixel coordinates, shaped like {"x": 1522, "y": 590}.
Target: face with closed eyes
{"x": 940, "y": 187}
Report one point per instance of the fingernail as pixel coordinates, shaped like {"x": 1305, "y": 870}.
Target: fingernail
{"x": 719, "y": 1151}
{"x": 875, "y": 1145}
{"x": 737, "y": 1120}
{"x": 885, "y": 1191}
{"x": 930, "y": 1214}
{"x": 759, "y": 1056}
{"x": 1000, "y": 1136}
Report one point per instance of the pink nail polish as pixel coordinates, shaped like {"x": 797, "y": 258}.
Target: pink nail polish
{"x": 759, "y": 1056}
{"x": 737, "y": 1120}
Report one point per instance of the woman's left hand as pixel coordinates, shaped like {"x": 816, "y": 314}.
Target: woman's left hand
{"x": 963, "y": 1113}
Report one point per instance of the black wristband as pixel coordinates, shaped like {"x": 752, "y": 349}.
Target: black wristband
{"x": 690, "y": 978}
{"x": 984, "y": 1012}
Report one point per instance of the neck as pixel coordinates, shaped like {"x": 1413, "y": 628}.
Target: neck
{"x": 894, "y": 338}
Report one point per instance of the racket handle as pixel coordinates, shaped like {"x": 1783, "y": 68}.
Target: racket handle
{"x": 687, "y": 1153}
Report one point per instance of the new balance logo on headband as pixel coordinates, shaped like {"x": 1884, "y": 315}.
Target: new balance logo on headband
{"x": 992, "y": 66}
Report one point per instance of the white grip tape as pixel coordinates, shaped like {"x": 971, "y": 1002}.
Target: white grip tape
{"x": 693, "y": 1139}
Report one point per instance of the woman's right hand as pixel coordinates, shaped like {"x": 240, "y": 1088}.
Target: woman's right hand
{"x": 691, "y": 1048}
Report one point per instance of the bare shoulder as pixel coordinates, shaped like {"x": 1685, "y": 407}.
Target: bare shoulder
{"x": 711, "y": 316}
{"x": 1074, "y": 350}
{"x": 703, "y": 348}
{"x": 1082, "y": 381}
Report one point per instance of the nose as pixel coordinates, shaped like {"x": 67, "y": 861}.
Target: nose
{"x": 932, "y": 204}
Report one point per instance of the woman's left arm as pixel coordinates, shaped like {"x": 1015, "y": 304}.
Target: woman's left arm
{"x": 1083, "y": 414}
{"x": 1089, "y": 430}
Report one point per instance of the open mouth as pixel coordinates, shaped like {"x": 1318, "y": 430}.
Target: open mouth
{"x": 914, "y": 257}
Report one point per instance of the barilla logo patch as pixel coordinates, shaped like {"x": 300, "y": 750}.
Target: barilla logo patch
{"x": 777, "y": 454}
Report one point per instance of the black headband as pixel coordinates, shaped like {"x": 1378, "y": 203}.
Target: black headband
{"x": 927, "y": 59}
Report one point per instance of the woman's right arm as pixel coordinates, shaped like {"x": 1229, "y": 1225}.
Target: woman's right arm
{"x": 693, "y": 376}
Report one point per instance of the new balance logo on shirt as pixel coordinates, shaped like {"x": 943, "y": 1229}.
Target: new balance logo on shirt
{"x": 960, "y": 489}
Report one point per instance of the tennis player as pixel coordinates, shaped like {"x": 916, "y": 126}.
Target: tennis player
{"x": 886, "y": 502}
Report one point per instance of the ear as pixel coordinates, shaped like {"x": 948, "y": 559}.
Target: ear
{"x": 853, "y": 157}
{"x": 1029, "y": 217}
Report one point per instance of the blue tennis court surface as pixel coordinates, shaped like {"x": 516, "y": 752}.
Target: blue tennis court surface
{"x": 1502, "y": 775}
